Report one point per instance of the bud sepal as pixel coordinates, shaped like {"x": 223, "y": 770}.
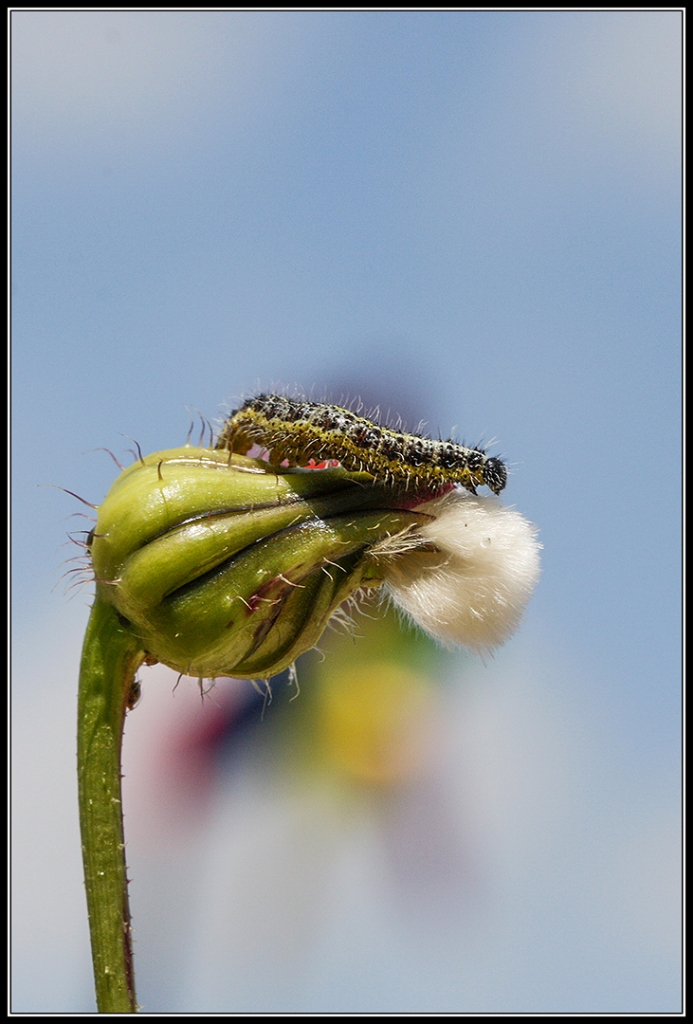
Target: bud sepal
{"x": 225, "y": 566}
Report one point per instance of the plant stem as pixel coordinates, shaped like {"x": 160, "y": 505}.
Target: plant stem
{"x": 110, "y": 658}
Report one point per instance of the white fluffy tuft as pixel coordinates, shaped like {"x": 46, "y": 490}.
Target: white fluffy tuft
{"x": 473, "y": 588}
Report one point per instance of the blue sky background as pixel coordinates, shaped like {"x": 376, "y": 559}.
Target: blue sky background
{"x": 467, "y": 217}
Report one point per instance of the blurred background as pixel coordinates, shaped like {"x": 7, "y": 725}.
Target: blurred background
{"x": 470, "y": 218}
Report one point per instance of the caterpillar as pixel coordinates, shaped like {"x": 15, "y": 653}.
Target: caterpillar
{"x": 295, "y": 432}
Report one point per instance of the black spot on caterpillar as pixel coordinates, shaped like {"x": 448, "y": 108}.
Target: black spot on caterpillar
{"x": 295, "y": 432}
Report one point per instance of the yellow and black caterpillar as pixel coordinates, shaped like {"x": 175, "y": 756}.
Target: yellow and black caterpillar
{"x": 297, "y": 432}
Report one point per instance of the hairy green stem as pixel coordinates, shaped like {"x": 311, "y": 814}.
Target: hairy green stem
{"x": 110, "y": 658}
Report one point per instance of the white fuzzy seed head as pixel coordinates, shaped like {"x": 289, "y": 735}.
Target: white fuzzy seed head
{"x": 472, "y": 589}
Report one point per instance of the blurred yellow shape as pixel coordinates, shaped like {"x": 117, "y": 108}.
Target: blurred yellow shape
{"x": 372, "y": 721}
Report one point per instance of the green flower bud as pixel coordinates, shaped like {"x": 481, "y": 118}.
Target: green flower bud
{"x": 225, "y": 566}
{"x": 217, "y": 564}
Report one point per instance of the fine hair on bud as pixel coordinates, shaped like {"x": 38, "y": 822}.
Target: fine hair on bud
{"x": 472, "y": 582}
